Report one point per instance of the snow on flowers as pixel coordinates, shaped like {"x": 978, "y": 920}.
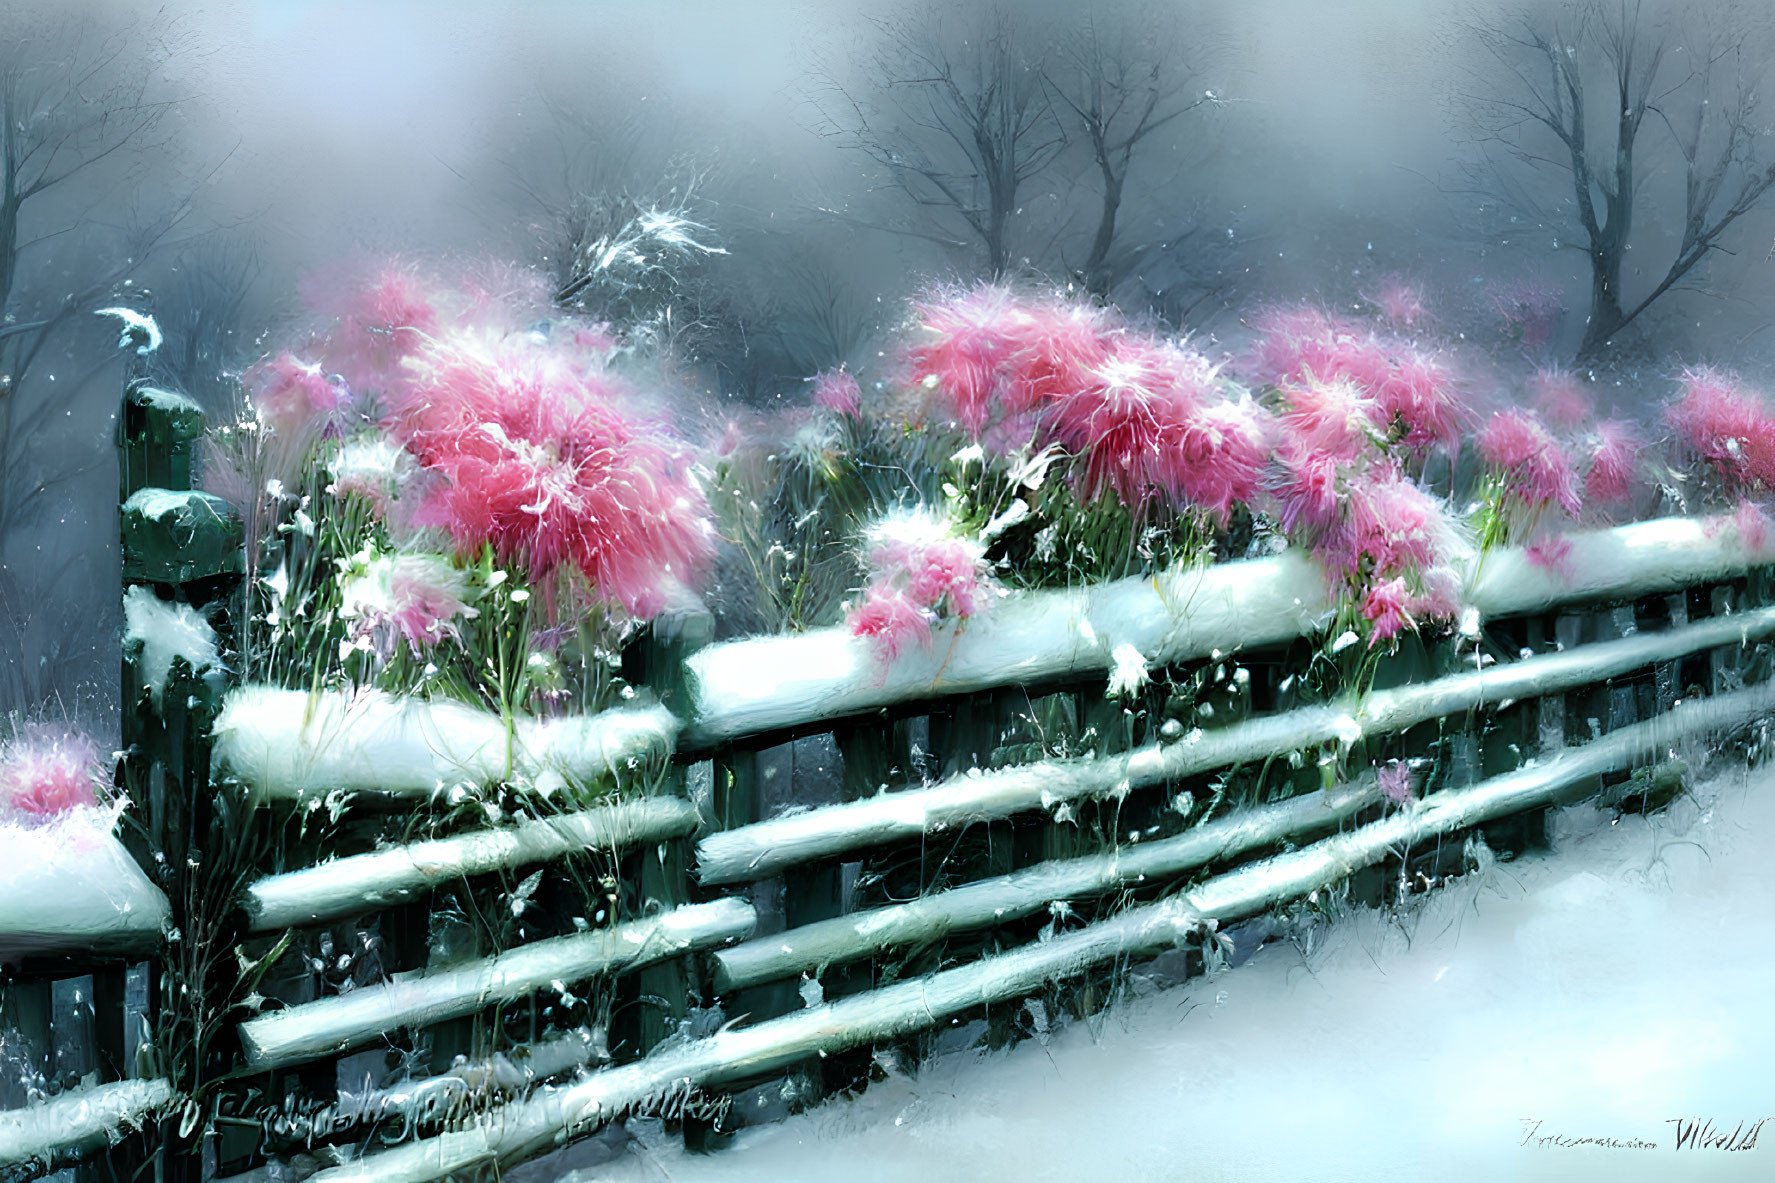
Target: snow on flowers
{"x": 416, "y": 433}
{"x": 922, "y": 574}
{"x": 45, "y": 775}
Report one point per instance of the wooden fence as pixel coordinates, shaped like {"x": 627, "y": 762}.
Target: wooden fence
{"x": 808, "y": 865}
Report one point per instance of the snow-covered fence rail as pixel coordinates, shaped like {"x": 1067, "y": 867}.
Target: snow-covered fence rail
{"x": 535, "y": 1124}
{"x": 785, "y": 683}
{"x": 996, "y": 823}
{"x": 1639, "y": 636}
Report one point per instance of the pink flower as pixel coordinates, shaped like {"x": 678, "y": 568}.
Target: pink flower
{"x": 293, "y": 395}
{"x": 1419, "y": 402}
{"x": 538, "y": 462}
{"x": 416, "y": 598}
{"x": 1395, "y": 782}
{"x": 1414, "y": 395}
{"x": 1751, "y": 525}
{"x": 1387, "y": 608}
{"x": 1218, "y": 458}
{"x": 1613, "y": 463}
{"x": 1560, "y": 397}
{"x": 1337, "y": 417}
{"x": 1536, "y": 469}
{"x": 837, "y": 391}
{"x": 1390, "y": 527}
{"x": 915, "y": 552}
{"x": 947, "y": 577}
{"x": 1307, "y": 493}
{"x": 919, "y": 568}
{"x": 44, "y": 775}
{"x": 1401, "y": 303}
{"x": 1725, "y": 424}
{"x": 889, "y": 617}
{"x": 989, "y": 351}
{"x": 1150, "y": 422}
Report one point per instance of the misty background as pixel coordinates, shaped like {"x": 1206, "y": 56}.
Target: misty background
{"x": 194, "y": 162}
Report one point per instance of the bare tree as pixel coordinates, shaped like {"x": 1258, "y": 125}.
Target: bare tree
{"x": 203, "y": 304}
{"x": 958, "y": 121}
{"x": 81, "y": 121}
{"x": 1574, "y": 91}
{"x": 1122, "y": 86}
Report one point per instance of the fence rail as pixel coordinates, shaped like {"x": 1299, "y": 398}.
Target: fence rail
{"x": 951, "y": 829}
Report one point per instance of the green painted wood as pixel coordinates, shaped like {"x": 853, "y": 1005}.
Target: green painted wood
{"x": 156, "y": 431}
{"x": 179, "y": 536}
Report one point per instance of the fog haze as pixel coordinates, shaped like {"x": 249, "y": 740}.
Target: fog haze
{"x": 1329, "y": 156}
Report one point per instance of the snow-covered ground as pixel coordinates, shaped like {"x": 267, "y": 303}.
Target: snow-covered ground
{"x": 1625, "y": 980}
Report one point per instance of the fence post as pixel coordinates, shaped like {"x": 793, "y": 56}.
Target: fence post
{"x": 184, "y": 547}
{"x": 657, "y": 660}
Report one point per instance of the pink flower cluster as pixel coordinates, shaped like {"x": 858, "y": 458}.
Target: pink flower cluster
{"x": 516, "y": 439}
{"x": 293, "y": 395}
{"x": 1614, "y": 463}
{"x": 44, "y": 775}
{"x": 1412, "y": 397}
{"x": 1560, "y": 397}
{"x": 1535, "y": 469}
{"x": 415, "y": 598}
{"x": 1390, "y": 545}
{"x": 1726, "y": 424}
{"x": 538, "y": 461}
{"x": 1144, "y": 414}
{"x": 837, "y": 391}
{"x": 920, "y": 575}
{"x": 1401, "y": 303}
{"x": 1339, "y": 489}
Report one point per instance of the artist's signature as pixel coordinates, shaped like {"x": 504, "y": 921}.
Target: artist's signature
{"x": 1686, "y": 1133}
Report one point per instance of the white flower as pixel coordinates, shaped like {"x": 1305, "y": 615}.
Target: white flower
{"x": 1128, "y": 674}
{"x": 374, "y": 468}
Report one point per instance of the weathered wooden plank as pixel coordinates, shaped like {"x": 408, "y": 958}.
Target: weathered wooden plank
{"x": 763, "y": 849}
{"x": 344, "y": 1021}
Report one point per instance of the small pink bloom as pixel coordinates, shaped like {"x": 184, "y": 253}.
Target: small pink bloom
{"x": 1726, "y": 424}
{"x": 1395, "y": 781}
{"x": 43, "y": 776}
{"x": 1535, "y": 468}
{"x": 1560, "y": 397}
{"x": 889, "y": 617}
{"x": 946, "y": 576}
{"x": 837, "y": 391}
{"x": 1307, "y": 493}
{"x": 292, "y": 394}
{"x": 1401, "y": 303}
{"x": 1387, "y": 608}
{"x": 1613, "y": 464}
